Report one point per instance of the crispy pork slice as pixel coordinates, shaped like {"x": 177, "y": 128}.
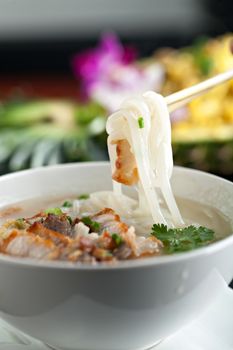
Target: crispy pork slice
{"x": 109, "y": 221}
{"x": 113, "y": 239}
{"x": 126, "y": 171}
{"x": 25, "y": 244}
{"x": 56, "y": 237}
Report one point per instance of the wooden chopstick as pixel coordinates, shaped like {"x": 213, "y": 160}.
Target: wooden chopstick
{"x": 181, "y": 98}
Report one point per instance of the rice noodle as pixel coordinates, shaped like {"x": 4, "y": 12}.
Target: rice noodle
{"x": 151, "y": 147}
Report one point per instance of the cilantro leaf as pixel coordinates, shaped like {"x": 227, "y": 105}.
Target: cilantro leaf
{"x": 160, "y": 228}
{"x": 177, "y": 240}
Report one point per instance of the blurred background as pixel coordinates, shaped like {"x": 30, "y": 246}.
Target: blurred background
{"x": 66, "y": 64}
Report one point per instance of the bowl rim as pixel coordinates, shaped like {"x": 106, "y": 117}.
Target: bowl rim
{"x": 127, "y": 264}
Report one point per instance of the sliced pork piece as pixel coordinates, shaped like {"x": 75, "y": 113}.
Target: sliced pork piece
{"x": 106, "y": 241}
{"x": 73, "y": 252}
{"x": 123, "y": 252}
{"x": 49, "y": 237}
{"x": 147, "y": 246}
{"x": 141, "y": 246}
{"x": 102, "y": 254}
{"x": 57, "y": 238}
{"x": 126, "y": 171}
{"x": 109, "y": 221}
{"x": 24, "y": 244}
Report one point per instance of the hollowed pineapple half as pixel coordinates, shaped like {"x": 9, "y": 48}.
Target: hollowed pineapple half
{"x": 202, "y": 131}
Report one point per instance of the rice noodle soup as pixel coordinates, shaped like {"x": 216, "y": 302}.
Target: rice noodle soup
{"x": 112, "y": 226}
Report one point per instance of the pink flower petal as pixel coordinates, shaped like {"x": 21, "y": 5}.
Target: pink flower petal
{"x": 96, "y": 64}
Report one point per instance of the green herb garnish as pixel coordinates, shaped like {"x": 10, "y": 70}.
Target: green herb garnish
{"x": 55, "y": 211}
{"x": 117, "y": 239}
{"x": 94, "y": 225}
{"x": 83, "y": 196}
{"x": 176, "y": 240}
{"x": 141, "y": 122}
{"x": 20, "y": 223}
{"x": 67, "y": 204}
{"x": 69, "y": 219}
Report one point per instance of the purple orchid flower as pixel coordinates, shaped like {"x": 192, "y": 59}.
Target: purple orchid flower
{"x": 109, "y": 73}
{"x": 96, "y": 64}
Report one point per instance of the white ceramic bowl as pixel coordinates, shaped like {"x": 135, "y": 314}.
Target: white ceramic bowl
{"x": 129, "y": 306}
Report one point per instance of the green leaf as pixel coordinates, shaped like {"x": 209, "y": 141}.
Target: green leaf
{"x": 21, "y": 157}
{"x": 40, "y": 153}
{"x": 86, "y": 113}
{"x": 94, "y": 225}
{"x": 84, "y": 196}
{"x": 160, "y": 228}
{"x": 182, "y": 239}
{"x": 67, "y": 204}
{"x": 29, "y": 113}
{"x": 117, "y": 239}
{"x": 55, "y": 211}
{"x": 69, "y": 219}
